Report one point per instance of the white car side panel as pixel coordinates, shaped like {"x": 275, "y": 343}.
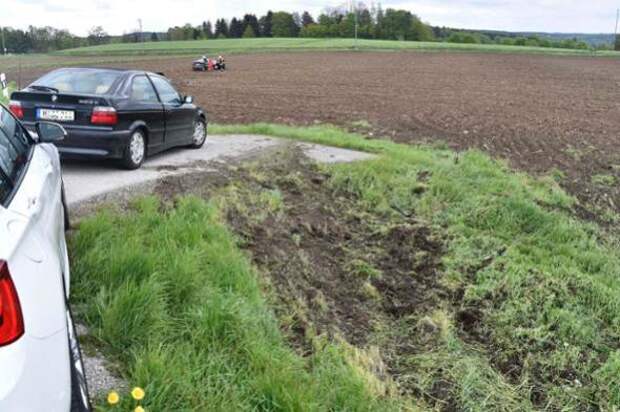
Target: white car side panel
{"x": 35, "y": 370}
{"x": 34, "y": 377}
{"x": 35, "y": 262}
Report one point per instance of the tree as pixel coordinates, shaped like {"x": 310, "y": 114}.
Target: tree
{"x": 221, "y": 29}
{"x": 265, "y": 24}
{"x": 154, "y": 37}
{"x": 249, "y": 33}
{"x": 379, "y": 22}
{"x": 63, "y": 40}
{"x": 617, "y": 43}
{"x": 421, "y": 31}
{"x": 346, "y": 27}
{"x": 236, "y": 28}
{"x": 174, "y": 33}
{"x": 97, "y": 35}
{"x": 366, "y": 27}
{"x": 284, "y": 25}
{"x": 314, "y": 31}
{"x": 250, "y": 20}
{"x": 402, "y": 25}
{"x": 197, "y": 33}
{"x": 306, "y": 19}
{"x": 330, "y": 24}
{"x": 207, "y": 30}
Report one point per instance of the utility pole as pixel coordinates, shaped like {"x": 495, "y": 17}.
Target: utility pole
{"x": 615, "y": 41}
{"x": 141, "y": 33}
{"x": 3, "y": 45}
{"x": 355, "y": 14}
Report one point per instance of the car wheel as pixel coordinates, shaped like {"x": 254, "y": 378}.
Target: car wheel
{"x": 79, "y": 388}
{"x": 200, "y": 134}
{"x": 135, "y": 151}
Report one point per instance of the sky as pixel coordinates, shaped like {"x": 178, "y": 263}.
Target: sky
{"x": 121, "y": 16}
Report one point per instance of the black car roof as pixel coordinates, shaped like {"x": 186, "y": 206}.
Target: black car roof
{"x": 118, "y": 69}
{"x": 118, "y": 85}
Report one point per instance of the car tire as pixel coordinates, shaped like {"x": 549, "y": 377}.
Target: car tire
{"x": 135, "y": 151}
{"x": 200, "y": 134}
{"x": 80, "y": 401}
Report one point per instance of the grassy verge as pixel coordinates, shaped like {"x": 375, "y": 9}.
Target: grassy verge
{"x": 533, "y": 319}
{"x": 230, "y": 46}
{"x": 177, "y": 305}
{"x": 528, "y": 319}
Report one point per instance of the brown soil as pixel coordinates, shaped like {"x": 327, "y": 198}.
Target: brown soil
{"x": 539, "y": 112}
{"x": 332, "y": 270}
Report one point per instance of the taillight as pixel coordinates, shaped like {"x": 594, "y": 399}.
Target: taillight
{"x": 16, "y": 108}
{"x": 11, "y": 319}
{"x": 104, "y": 115}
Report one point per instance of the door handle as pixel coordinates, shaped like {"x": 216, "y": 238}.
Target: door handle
{"x": 33, "y": 206}
{"x": 31, "y": 202}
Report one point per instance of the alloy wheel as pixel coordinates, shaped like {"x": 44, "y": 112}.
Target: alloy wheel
{"x": 136, "y": 148}
{"x": 199, "y": 133}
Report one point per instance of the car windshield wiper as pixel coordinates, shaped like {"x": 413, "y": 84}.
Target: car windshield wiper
{"x": 44, "y": 88}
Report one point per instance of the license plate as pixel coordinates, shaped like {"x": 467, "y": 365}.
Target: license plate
{"x": 56, "y": 115}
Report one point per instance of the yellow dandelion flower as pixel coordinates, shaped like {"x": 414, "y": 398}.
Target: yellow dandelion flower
{"x": 139, "y": 409}
{"x": 137, "y": 393}
{"x": 113, "y": 398}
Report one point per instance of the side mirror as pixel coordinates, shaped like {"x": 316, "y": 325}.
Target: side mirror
{"x": 189, "y": 99}
{"x": 50, "y": 132}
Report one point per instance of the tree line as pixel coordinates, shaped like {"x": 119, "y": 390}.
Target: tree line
{"x": 365, "y": 22}
{"x": 373, "y": 23}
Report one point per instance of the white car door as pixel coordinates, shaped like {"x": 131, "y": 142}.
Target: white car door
{"x": 36, "y": 233}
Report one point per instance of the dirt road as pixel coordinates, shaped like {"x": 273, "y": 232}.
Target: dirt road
{"x": 86, "y": 180}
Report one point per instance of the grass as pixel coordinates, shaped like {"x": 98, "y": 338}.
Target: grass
{"x": 169, "y": 295}
{"x": 26, "y": 62}
{"x": 546, "y": 283}
{"x": 11, "y": 88}
{"x": 603, "y": 180}
{"x": 172, "y": 300}
{"x": 230, "y": 46}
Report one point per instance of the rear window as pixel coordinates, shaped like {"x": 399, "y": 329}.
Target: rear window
{"x": 80, "y": 81}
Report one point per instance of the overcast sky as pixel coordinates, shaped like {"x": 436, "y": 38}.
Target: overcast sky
{"x": 119, "y": 16}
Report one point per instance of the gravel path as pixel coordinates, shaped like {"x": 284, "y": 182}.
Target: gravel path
{"x": 87, "y": 180}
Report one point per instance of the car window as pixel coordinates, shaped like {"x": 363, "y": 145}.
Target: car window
{"x": 167, "y": 93}
{"x": 142, "y": 90}
{"x": 82, "y": 81}
{"x": 14, "y": 147}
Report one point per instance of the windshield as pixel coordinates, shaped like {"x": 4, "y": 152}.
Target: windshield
{"x": 80, "y": 81}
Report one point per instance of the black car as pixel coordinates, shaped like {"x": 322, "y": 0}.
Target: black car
{"x": 112, "y": 113}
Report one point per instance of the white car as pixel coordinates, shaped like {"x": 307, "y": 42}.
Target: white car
{"x": 40, "y": 361}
